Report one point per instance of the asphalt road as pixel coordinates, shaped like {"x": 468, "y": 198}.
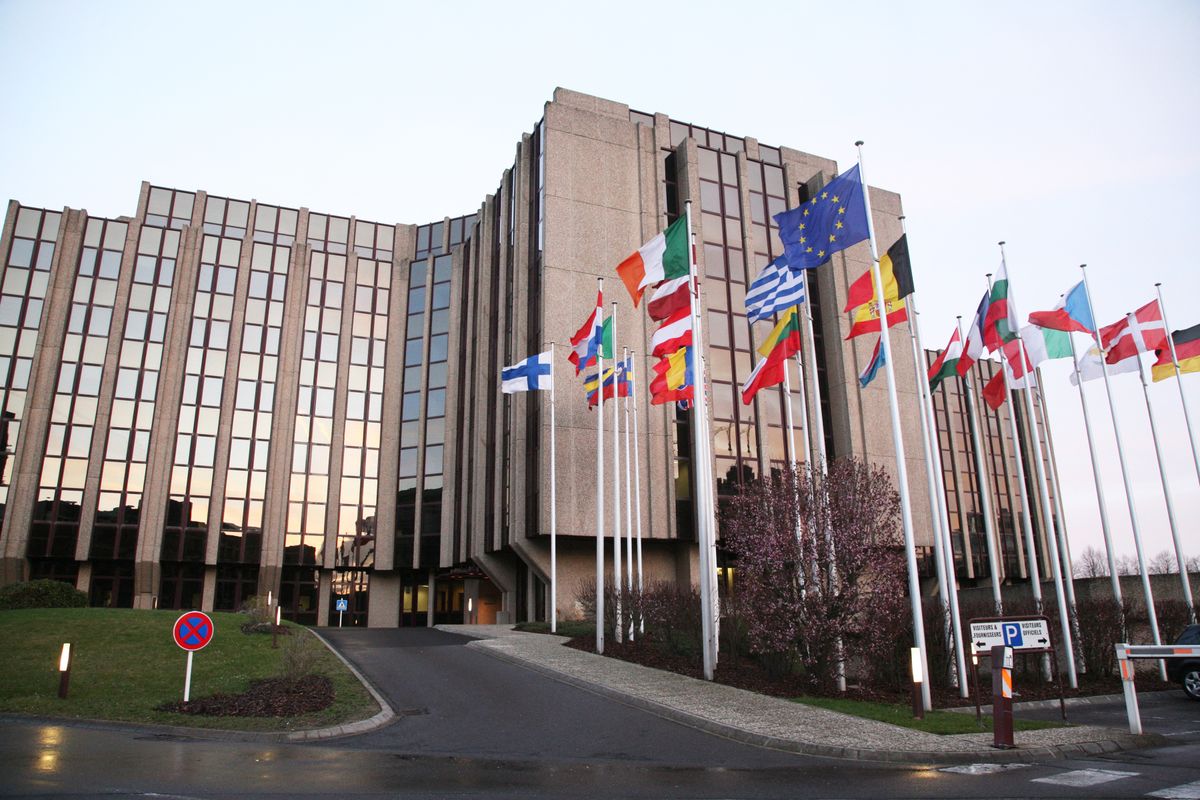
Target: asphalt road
{"x": 479, "y": 727}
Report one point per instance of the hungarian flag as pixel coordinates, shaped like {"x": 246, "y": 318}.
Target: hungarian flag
{"x": 586, "y": 341}
{"x": 673, "y": 378}
{"x": 994, "y": 393}
{"x": 1073, "y": 313}
{"x": 1139, "y": 332}
{"x": 865, "y": 318}
{"x": 668, "y": 298}
{"x": 1187, "y": 353}
{"x": 1001, "y": 323}
{"x": 973, "y": 347}
{"x": 894, "y": 269}
{"x": 662, "y": 258}
{"x": 946, "y": 365}
{"x": 676, "y": 332}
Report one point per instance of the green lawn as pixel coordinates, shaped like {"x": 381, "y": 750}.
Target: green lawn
{"x": 124, "y": 663}
{"x": 571, "y": 628}
{"x": 940, "y": 722}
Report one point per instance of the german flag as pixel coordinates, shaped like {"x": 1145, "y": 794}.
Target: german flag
{"x": 1187, "y": 350}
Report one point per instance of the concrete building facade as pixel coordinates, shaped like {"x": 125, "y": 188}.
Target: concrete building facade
{"x": 215, "y": 398}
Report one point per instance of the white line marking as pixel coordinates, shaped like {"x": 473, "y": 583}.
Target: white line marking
{"x": 1186, "y": 791}
{"x": 1085, "y": 777}
{"x": 982, "y": 769}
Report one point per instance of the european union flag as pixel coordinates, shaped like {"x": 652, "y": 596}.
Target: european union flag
{"x": 834, "y": 219}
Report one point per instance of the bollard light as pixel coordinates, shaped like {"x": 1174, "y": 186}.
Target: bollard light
{"x": 278, "y": 614}
{"x": 469, "y": 612}
{"x": 64, "y": 669}
{"x": 275, "y": 628}
{"x": 918, "y": 677}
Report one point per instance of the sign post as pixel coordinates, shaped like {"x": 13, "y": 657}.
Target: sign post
{"x": 193, "y": 631}
{"x": 341, "y": 606}
{"x": 1002, "y": 714}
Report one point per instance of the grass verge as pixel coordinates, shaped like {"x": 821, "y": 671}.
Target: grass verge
{"x": 939, "y": 722}
{"x": 124, "y": 663}
{"x": 570, "y": 628}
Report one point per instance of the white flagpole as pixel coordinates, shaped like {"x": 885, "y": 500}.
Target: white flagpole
{"x": 617, "y": 618}
{"x": 1101, "y": 502}
{"x": 1148, "y": 592}
{"x": 1064, "y": 544}
{"x": 553, "y": 510}
{"x": 1065, "y": 614}
{"x": 628, "y": 495}
{"x": 787, "y": 417}
{"x": 1182, "y": 562}
{"x": 984, "y": 482}
{"x": 637, "y": 500}
{"x": 702, "y": 473}
{"x": 600, "y": 482}
{"x": 910, "y": 551}
{"x": 813, "y": 382}
{"x": 1162, "y": 471}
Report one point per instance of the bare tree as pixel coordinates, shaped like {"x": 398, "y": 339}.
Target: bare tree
{"x": 1127, "y": 565}
{"x": 1193, "y": 564}
{"x": 1091, "y": 564}
{"x": 1161, "y": 563}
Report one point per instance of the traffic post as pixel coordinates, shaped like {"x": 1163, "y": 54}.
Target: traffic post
{"x": 193, "y": 631}
{"x": 1026, "y": 635}
{"x": 341, "y": 606}
{"x": 1002, "y": 714}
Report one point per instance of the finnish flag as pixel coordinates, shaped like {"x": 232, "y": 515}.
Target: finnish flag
{"x": 527, "y": 376}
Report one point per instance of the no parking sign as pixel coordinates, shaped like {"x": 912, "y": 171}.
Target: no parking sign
{"x": 193, "y": 631}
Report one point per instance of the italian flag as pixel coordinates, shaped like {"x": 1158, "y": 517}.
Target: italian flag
{"x": 663, "y": 258}
{"x": 946, "y": 365}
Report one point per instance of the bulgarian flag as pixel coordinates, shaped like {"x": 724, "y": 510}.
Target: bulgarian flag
{"x": 946, "y": 365}
{"x": 1001, "y": 323}
{"x": 663, "y": 258}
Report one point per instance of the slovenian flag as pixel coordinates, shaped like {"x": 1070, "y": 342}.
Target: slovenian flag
{"x": 529, "y": 375}
{"x": 663, "y": 258}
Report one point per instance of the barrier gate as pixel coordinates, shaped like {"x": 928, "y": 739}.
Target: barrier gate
{"x": 1126, "y": 653}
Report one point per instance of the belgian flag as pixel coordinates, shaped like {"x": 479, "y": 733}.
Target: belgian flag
{"x": 1187, "y": 350}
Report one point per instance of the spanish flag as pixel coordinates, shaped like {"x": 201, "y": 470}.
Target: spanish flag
{"x": 861, "y": 303}
{"x": 865, "y": 318}
{"x": 1187, "y": 350}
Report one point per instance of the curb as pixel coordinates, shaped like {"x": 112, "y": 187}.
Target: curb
{"x": 1046, "y": 752}
{"x": 384, "y": 717}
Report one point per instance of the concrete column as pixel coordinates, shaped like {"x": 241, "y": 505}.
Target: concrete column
{"x": 431, "y": 596}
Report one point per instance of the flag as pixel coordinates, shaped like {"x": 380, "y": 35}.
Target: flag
{"x": 946, "y": 364}
{"x": 1073, "y": 313}
{"x": 877, "y": 361}
{"x": 617, "y": 376}
{"x": 1121, "y": 340}
{"x": 1045, "y": 344}
{"x": 1090, "y": 368}
{"x": 676, "y": 331}
{"x": 776, "y": 288}
{"x": 1187, "y": 352}
{"x": 896, "y": 272}
{"x": 767, "y": 372}
{"x": 784, "y": 338}
{"x": 1018, "y": 367}
{"x": 973, "y": 347}
{"x": 662, "y": 258}
{"x": 832, "y": 220}
{"x": 673, "y": 378}
{"x": 606, "y": 336}
{"x": 865, "y": 318}
{"x": 994, "y": 393}
{"x": 586, "y": 341}
{"x": 527, "y": 376}
{"x": 1001, "y": 323}
{"x": 669, "y": 297}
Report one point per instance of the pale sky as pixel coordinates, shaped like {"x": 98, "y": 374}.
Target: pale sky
{"x": 1068, "y": 129}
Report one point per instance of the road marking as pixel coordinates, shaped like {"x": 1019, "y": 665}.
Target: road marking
{"x": 1085, "y": 777}
{"x": 1186, "y": 791}
{"x": 982, "y": 769}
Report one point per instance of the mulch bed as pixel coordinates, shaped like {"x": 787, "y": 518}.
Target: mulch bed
{"x": 748, "y": 674}
{"x": 272, "y": 697}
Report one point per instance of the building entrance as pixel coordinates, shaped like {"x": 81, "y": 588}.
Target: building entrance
{"x": 353, "y": 586}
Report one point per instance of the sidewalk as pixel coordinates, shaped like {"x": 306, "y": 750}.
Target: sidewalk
{"x": 775, "y": 722}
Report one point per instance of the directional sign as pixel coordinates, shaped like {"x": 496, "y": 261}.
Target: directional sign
{"x": 1019, "y": 633}
{"x": 341, "y": 605}
{"x": 193, "y": 630}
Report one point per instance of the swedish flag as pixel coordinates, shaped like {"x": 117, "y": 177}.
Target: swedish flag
{"x": 832, "y": 220}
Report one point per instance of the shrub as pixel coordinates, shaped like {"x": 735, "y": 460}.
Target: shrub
{"x": 300, "y": 657}
{"x": 261, "y": 617}
{"x": 41, "y": 594}
{"x": 1101, "y": 625}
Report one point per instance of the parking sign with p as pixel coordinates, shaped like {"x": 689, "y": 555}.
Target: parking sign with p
{"x": 1012, "y": 634}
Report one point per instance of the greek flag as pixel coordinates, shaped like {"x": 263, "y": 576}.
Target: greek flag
{"x": 775, "y": 289}
{"x": 526, "y": 376}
